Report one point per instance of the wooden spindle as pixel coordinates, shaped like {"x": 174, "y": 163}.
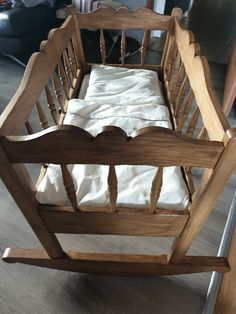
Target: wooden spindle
{"x": 181, "y": 95}
{"x": 189, "y": 177}
{"x": 193, "y": 122}
{"x": 63, "y": 79}
{"x": 51, "y": 105}
{"x": 68, "y": 68}
{"x": 123, "y": 47}
{"x": 179, "y": 80}
{"x": 169, "y": 57}
{"x": 144, "y": 46}
{"x": 73, "y": 45}
{"x": 72, "y": 59}
{"x": 174, "y": 72}
{"x": 102, "y": 46}
{"x": 42, "y": 117}
{"x": 57, "y": 89}
{"x": 29, "y": 128}
{"x": 43, "y": 122}
{"x": 69, "y": 187}
{"x": 112, "y": 187}
{"x": 202, "y": 134}
{"x": 156, "y": 189}
{"x": 186, "y": 108}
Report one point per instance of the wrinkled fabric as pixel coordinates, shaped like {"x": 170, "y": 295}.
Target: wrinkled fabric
{"x": 134, "y": 182}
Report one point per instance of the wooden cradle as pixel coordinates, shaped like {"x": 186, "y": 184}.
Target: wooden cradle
{"x": 59, "y": 68}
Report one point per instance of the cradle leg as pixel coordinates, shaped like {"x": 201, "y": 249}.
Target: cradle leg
{"x": 226, "y": 299}
{"x": 24, "y": 196}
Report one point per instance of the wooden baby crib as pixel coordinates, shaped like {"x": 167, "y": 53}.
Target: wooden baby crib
{"x": 201, "y": 137}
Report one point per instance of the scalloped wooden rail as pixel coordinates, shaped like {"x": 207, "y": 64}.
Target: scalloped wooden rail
{"x": 150, "y": 146}
{"x": 123, "y": 18}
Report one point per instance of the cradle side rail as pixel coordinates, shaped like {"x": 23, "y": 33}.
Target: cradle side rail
{"x": 65, "y": 144}
{"x": 52, "y": 76}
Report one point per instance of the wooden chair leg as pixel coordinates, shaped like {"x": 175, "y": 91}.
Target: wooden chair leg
{"x": 226, "y": 299}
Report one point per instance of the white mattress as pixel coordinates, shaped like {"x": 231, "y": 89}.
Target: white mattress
{"x": 130, "y": 99}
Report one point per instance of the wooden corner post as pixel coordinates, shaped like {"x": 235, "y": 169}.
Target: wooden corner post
{"x": 211, "y": 185}
{"x": 26, "y": 201}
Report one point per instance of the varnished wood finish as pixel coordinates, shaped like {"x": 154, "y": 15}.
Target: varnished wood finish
{"x": 117, "y": 264}
{"x": 63, "y": 79}
{"x": 156, "y": 189}
{"x": 58, "y": 92}
{"x": 115, "y": 223}
{"x": 189, "y": 96}
{"x": 72, "y": 58}
{"x": 102, "y": 47}
{"x": 205, "y": 197}
{"x": 67, "y": 66}
{"x": 51, "y": 105}
{"x": 112, "y": 187}
{"x": 144, "y": 47}
{"x": 29, "y": 128}
{"x": 163, "y": 147}
{"x": 42, "y": 117}
{"x": 69, "y": 186}
{"x": 141, "y": 18}
{"x": 123, "y": 47}
{"x": 26, "y": 201}
{"x": 199, "y": 75}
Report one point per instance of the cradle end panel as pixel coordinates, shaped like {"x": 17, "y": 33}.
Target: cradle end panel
{"x": 210, "y": 187}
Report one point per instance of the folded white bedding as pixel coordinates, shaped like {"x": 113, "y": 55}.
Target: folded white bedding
{"x": 134, "y": 182}
{"x": 111, "y": 85}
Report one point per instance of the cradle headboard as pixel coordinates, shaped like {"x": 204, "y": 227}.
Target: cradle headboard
{"x": 125, "y": 20}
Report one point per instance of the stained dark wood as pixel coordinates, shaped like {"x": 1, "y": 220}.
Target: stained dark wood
{"x": 115, "y": 223}
{"x": 163, "y": 147}
{"x": 141, "y": 18}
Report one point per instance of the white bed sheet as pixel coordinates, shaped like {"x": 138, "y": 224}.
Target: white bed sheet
{"x": 95, "y": 112}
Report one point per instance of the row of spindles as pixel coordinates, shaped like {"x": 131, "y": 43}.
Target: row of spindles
{"x": 143, "y": 47}
{"x": 187, "y": 116}
{"x": 57, "y": 93}
{"x": 181, "y": 97}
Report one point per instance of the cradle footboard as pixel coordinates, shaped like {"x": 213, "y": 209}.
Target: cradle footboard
{"x": 200, "y": 138}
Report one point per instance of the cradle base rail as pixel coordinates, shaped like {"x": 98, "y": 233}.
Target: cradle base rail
{"x": 117, "y": 264}
{"x": 116, "y": 223}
